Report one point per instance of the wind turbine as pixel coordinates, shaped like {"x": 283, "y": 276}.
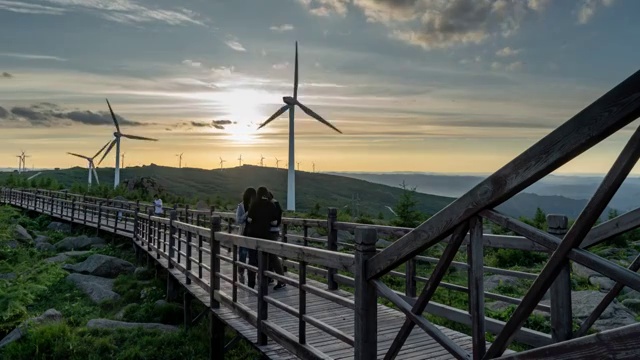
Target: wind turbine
{"x": 314, "y": 166}
{"x": 262, "y": 160}
{"x": 22, "y": 162}
{"x": 298, "y": 165}
{"x": 116, "y": 141}
{"x": 179, "y": 161}
{"x": 92, "y": 166}
{"x": 122, "y": 165}
{"x": 277, "y": 163}
{"x": 240, "y": 160}
{"x": 222, "y": 163}
{"x": 19, "y": 163}
{"x": 290, "y": 104}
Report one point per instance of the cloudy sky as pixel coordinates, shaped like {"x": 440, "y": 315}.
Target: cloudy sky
{"x": 415, "y": 85}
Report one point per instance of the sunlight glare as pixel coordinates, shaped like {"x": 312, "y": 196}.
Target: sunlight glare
{"x": 241, "y": 107}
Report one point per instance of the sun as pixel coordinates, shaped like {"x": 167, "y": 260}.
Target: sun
{"x": 241, "y": 106}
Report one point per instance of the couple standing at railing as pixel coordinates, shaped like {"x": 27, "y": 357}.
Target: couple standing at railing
{"x": 259, "y": 215}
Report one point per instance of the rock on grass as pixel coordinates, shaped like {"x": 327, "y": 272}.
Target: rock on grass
{"x": 113, "y": 324}
{"x": 102, "y": 265}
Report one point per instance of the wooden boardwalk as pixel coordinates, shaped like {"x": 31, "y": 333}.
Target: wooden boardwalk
{"x": 418, "y": 346}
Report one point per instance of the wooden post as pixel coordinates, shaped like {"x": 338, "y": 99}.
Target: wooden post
{"x": 561, "y": 314}
{"x": 99, "y": 218}
{"x": 263, "y": 290}
{"x": 188, "y": 259}
{"x": 135, "y": 224}
{"x": 302, "y": 296}
{"x": 285, "y": 229}
{"x": 187, "y": 309}
{"x": 216, "y": 347}
{"x": 186, "y": 214}
{"x": 214, "y": 263}
{"x": 173, "y": 215}
{"x": 332, "y": 245}
{"x": 410, "y": 278}
{"x": 366, "y": 314}
{"x": 149, "y": 235}
{"x": 475, "y": 259}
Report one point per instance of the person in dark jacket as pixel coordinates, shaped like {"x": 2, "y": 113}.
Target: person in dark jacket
{"x": 262, "y": 216}
{"x": 241, "y": 220}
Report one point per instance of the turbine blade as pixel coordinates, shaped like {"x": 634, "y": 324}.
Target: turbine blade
{"x": 113, "y": 142}
{"x": 113, "y": 116}
{"x": 101, "y": 150}
{"x": 295, "y": 76}
{"x": 134, "y": 137}
{"x": 316, "y": 116}
{"x": 78, "y": 155}
{"x": 274, "y": 116}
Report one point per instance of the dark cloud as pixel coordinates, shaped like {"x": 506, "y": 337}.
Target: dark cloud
{"x": 4, "y": 114}
{"x": 6, "y": 75}
{"x": 49, "y": 114}
{"x": 442, "y": 24}
{"x": 218, "y": 124}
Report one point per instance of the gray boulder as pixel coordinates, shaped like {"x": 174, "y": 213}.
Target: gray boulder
{"x": 583, "y": 303}
{"x": 382, "y": 243}
{"x": 604, "y": 283}
{"x": 22, "y": 234}
{"x": 77, "y": 253}
{"x": 45, "y": 246}
{"x": 41, "y": 238}
{"x": 493, "y": 281}
{"x": 582, "y": 271}
{"x": 632, "y": 304}
{"x": 97, "y": 288}
{"x": 120, "y": 314}
{"x": 102, "y": 265}
{"x": 78, "y": 243}
{"x": 113, "y": 324}
{"x": 59, "y": 226}
{"x": 57, "y": 259}
{"x": 51, "y": 315}
{"x": 12, "y": 244}
{"x": 8, "y": 276}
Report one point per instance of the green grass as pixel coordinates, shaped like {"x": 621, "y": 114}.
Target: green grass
{"x": 40, "y": 286}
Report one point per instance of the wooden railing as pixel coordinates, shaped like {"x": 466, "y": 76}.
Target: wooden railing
{"x": 189, "y": 248}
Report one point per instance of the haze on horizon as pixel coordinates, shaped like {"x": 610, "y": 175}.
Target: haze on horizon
{"x": 459, "y": 86}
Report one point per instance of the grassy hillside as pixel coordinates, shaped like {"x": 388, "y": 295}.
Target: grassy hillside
{"x": 228, "y": 184}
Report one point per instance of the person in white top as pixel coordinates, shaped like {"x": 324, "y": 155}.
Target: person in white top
{"x": 157, "y": 206}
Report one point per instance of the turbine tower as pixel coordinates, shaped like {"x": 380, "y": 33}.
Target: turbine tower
{"x": 222, "y": 163}
{"x": 92, "y": 166}
{"x": 180, "y": 160}
{"x": 22, "y": 162}
{"x": 116, "y": 141}
{"x": 314, "y": 166}
{"x": 122, "y": 165}
{"x": 290, "y": 104}
{"x": 298, "y": 165}
{"x": 240, "y": 160}
{"x": 277, "y": 163}
{"x": 262, "y": 160}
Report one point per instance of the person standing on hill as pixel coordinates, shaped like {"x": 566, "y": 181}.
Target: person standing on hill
{"x": 157, "y": 205}
{"x": 262, "y": 216}
{"x": 275, "y": 229}
{"x": 241, "y": 220}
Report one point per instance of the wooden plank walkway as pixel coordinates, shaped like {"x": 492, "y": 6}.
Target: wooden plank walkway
{"x": 418, "y": 346}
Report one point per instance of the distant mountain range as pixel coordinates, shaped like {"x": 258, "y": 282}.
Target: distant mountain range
{"x": 554, "y": 193}
{"x": 376, "y": 192}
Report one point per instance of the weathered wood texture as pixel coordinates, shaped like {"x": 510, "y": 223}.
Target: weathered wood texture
{"x": 366, "y": 317}
{"x": 561, "y": 312}
{"x": 619, "y": 344}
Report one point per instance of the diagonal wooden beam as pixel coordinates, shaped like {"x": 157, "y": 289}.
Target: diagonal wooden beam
{"x": 610, "y": 184}
{"x": 616, "y": 226}
{"x": 606, "y": 301}
{"x": 610, "y": 113}
{"x": 429, "y": 288}
{"x": 581, "y": 256}
{"x": 442, "y": 339}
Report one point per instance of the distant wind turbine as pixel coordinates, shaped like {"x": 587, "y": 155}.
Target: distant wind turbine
{"x": 240, "y": 160}
{"x": 290, "y": 103}
{"x": 298, "y": 165}
{"x": 92, "y": 166}
{"x": 262, "y": 160}
{"x": 116, "y": 141}
{"x": 277, "y": 163}
{"x": 222, "y": 163}
{"x": 314, "y": 166}
{"x": 122, "y": 165}
{"x": 180, "y": 160}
